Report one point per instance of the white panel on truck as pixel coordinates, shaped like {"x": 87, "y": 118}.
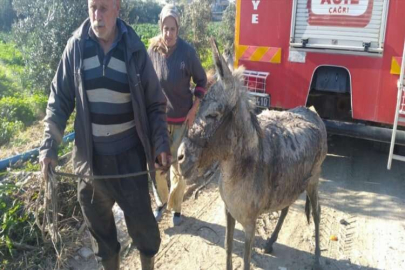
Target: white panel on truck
{"x": 348, "y": 25}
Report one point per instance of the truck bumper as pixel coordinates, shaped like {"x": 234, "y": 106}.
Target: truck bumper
{"x": 362, "y": 131}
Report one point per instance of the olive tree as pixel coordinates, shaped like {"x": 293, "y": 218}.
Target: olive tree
{"x": 42, "y": 30}
{"x": 195, "y": 19}
{"x": 227, "y": 30}
{"x": 144, "y": 12}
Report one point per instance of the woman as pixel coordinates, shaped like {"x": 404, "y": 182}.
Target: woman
{"x": 176, "y": 63}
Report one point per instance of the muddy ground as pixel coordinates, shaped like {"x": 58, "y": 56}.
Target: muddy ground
{"x": 363, "y": 205}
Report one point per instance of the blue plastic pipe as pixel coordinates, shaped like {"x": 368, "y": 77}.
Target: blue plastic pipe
{"x": 7, "y": 162}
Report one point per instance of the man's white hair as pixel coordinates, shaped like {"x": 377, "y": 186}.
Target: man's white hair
{"x": 114, "y": 2}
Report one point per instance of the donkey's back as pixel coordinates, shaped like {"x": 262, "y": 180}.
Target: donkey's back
{"x": 294, "y": 144}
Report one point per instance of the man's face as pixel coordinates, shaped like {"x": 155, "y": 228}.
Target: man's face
{"x": 103, "y": 16}
{"x": 169, "y": 30}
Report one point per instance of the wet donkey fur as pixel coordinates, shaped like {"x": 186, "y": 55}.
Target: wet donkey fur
{"x": 266, "y": 160}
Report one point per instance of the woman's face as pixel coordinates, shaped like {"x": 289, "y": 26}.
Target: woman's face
{"x": 169, "y": 31}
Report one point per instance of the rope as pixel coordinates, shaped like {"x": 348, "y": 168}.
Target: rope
{"x": 95, "y": 177}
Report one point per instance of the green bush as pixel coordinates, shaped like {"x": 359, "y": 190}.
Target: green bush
{"x": 9, "y": 129}
{"x": 16, "y": 112}
{"x": 23, "y": 108}
{"x": 6, "y": 84}
{"x": 38, "y": 102}
{"x": 10, "y": 55}
{"x": 11, "y": 80}
{"x": 146, "y": 31}
{"x": 12, "y": 75}
{"x": 18, "y": 106}
{"x": 16, "y": 109}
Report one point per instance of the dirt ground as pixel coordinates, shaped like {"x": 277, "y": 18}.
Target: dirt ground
{"x": 363, "y": 205}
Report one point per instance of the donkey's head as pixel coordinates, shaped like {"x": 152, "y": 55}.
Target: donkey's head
{"x": 208, "y": 135}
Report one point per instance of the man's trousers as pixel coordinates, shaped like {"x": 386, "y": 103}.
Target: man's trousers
{"x": 97, "y": 198}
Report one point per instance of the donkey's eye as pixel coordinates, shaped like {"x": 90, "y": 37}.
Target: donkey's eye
{"x": 213, "y": 116}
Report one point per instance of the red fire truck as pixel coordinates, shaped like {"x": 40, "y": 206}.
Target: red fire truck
{"x": 341, "y": 56}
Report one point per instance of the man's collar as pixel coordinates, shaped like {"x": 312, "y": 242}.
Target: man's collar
{"x": 132, "y": 40}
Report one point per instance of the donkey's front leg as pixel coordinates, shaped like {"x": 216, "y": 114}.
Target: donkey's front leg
{"x": 249, "y": 237}
{"x": 230, "y": 228}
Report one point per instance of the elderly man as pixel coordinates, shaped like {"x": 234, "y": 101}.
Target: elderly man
{"x": 106, "y": 74}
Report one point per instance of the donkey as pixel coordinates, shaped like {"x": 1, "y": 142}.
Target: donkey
{"x": 266, "y": 160}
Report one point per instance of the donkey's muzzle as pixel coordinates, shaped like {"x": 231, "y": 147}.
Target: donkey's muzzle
{"x": 185, "y": 159}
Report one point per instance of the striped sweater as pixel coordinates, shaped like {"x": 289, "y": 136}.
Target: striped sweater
{"x": 107, "y": 88}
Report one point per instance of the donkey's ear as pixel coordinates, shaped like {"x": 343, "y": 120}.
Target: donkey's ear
{"x": 220, "y": 64}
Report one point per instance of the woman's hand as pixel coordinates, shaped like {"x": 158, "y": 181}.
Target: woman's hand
{"x": 191, "y": 113}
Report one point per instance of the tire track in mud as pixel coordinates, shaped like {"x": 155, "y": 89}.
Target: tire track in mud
{"x": 341, "y": 226}
{"x": 187, "y": 228}
{"x": 214, "y": 196}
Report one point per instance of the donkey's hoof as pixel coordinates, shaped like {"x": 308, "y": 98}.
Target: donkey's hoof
{"x": 268, "y": 249}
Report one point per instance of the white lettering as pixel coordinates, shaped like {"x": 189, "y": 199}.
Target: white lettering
{"x": 255, "y": 18}
{"x": 255, "y": 4}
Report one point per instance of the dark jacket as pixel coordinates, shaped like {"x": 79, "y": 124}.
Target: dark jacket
{"x": 67, "y": 90}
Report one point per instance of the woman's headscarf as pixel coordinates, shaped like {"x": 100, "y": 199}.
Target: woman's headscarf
{"x": 157, "y": 43}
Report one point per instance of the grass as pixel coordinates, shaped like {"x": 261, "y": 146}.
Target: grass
{"x": 10, "y": 55}
{"x": 20, "y": 106}
{"x": 23, "y": 141}
{"x": 22, "y": 245}
{"x": 31, "y": 137}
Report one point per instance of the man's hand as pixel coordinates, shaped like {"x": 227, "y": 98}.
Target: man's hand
{"x": 163, "y": 163}
{"x": 45, "y": 163}
{"x": 191, "y": 113}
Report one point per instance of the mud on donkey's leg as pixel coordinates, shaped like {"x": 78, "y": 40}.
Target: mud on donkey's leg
{"x": 230, "y": 228}
{"x": 250, "y": 230}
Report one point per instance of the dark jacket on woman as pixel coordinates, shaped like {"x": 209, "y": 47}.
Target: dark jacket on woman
{"x": 174, "y": 72}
